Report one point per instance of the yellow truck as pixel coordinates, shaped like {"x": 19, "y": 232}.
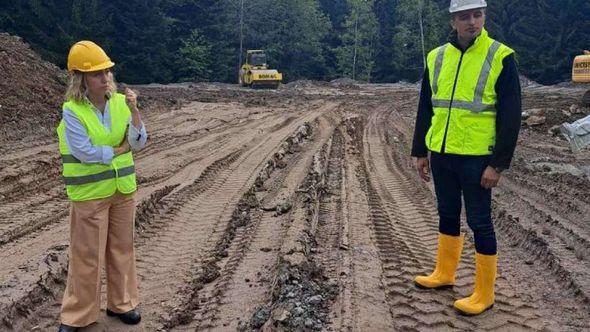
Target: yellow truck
{"x": 581, "y": 74}
{"x": 255, "y": 72}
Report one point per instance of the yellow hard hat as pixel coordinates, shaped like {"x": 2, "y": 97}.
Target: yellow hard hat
{"x": 86, "y": 56}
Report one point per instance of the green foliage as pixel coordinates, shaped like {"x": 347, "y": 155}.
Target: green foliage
{"x": 356, "y": 56}
{"x": 176, "y": 40}
{"x": 408, "y": 58}
{"x": 194, "y": 60}
{"x": 291, "y": 32}
{"x": 546, "y": 35}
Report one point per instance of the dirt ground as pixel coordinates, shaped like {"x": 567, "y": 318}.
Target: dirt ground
{"x": 299, "y": 210}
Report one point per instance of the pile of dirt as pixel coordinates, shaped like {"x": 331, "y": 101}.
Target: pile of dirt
{"x": 31, "y": 90}
{"x": 345, "y": 82}
{"x": 302, "y": 84}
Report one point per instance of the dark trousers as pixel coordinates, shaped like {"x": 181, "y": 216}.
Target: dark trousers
{"x": 454, "y": 175}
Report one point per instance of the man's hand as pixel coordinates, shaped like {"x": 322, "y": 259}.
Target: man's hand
{"x": 423, "y": 168}
{"x": 490, "y": 178}
{"x": 131, "y": 99}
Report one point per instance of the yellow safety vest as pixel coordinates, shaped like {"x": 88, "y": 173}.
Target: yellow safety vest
{"x": 464, "y": 96}
{"x": 93, "y": 181}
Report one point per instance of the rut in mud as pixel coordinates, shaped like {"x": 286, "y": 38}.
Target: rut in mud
{"x": 299, "y": 209}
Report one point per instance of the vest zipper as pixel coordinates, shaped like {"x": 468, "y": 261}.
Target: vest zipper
{"x": 442, "y": 149}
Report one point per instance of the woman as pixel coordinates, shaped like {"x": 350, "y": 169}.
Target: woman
{"x": 98, "y": 130}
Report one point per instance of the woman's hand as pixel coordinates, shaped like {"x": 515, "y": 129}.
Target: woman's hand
{"x": 123, "y": 148}
{"x": 131, "y": 99}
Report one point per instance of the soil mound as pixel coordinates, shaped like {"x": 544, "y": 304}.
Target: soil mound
{"x": 31, "y": 90}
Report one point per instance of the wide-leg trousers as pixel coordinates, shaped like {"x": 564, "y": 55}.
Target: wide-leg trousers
{"x": 101, "y": 234}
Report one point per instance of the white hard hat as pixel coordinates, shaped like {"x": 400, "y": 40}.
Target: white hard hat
{"x": 461, "y": 5}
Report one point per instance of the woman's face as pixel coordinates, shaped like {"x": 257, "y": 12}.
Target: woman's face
{"x": 97, "y": 82}
{"x": 469, "y": 23}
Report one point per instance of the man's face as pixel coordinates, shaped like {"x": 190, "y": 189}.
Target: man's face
{"x": 469, "y": 23}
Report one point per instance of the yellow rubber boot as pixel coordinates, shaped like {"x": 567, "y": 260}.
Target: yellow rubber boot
{"x": 447, "y": 259}
{"x": 485, "y": 279}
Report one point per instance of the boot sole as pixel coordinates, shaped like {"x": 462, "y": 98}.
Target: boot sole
{"x": 437, "y": 287}
{"x": 463, "y": 313}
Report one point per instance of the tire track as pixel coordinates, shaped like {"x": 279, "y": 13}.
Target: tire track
{"x": 244, "y": 283}
{"x": 215, "y": 209}
{"x": 330, "y": 219}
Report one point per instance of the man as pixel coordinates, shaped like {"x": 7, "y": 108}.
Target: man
{"x": 469, "y": 119}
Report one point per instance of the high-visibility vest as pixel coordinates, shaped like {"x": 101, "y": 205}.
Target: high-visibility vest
{"x": 93, "y": 181}
{"x": 464, "y": 96}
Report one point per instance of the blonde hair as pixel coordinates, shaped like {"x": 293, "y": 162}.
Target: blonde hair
{"x": 77, "y": 87}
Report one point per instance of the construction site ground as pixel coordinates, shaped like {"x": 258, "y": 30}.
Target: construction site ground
{"x": 299, "y": 209}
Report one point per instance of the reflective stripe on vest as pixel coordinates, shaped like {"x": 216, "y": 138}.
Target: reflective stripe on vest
{"x": 110, "y": 174}
{"x": 477, "y": 105}
{"x": 69, "y": 159}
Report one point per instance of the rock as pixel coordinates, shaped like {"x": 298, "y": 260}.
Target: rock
{"x": 554, "y": 131}
{"x": 525, "y": 115}
{"x": 533, "y": 112}
{"x": 283, "y": 316}
{"x": 260, "y": 317}
{"x": 308, "y": 322}
{"x": 535, "y": 120}
{"x": 576, "y": 109}
{"x": 315, "y": 300}
{"x": 283, "y": 207}
{"x": 298, "y": 311}
{"x": 567, "y": 113}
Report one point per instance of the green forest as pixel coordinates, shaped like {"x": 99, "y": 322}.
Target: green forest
{"x": 368, "y": 40}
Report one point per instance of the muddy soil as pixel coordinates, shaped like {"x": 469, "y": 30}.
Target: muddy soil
{"x": 299, "y": 210}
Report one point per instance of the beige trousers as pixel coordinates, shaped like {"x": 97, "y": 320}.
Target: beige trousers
{"x": 101, "y": 234}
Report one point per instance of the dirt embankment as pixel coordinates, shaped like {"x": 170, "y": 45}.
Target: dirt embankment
{"x": 31, "y": 91}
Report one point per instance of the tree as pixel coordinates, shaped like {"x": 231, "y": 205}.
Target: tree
{"x": 356, "y": 56}
{"x": 194, "y": 59}
{"x": 415, "y": 19}
{"x": 213, "y": 21}
{"x": 384, "y": 49}
{"x": 140, "y": 44}
{"x": 291, "y": 32}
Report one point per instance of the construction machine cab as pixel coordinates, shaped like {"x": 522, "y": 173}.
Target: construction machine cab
{"x": 256, "y": 58}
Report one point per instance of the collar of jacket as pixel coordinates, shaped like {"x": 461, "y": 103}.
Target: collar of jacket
{"x": 454, "y": 40}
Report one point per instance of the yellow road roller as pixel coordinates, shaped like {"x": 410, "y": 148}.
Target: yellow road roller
{"x": 256, "y": 74}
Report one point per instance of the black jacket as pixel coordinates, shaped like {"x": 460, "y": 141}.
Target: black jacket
{"x": 508, "y": 116}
